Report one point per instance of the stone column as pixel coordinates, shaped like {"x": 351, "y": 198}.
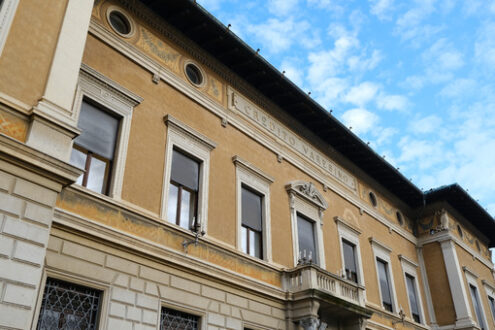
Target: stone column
{"x": 457, "y": 288}
{"x": 29, "y": 184}
{"x": 53, "y": 127}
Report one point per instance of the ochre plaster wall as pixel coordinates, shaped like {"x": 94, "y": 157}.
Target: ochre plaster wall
{"x": 143, "y": 178}
{"x": 439, "y": 284}
{"x": 28, "y": 51}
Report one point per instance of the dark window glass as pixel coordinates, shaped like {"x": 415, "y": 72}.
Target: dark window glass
{"x": 120, "y": 23}
{"x": 384, "y": 285}
{"x": 476, "y": 305}
{"x": 350, "y": 261}
{"x": 252, "y": 218}
{"x": 69, "y": 306}
{"x": 306, "y": 236}
{"x": 413, "y": 299}
{"x": 183, "y": 193}
{"x": 175, "y": 320}
{"x": 194, "y": 74}
{"x": 492, "y": 306}
{"x": 94, "y": 149}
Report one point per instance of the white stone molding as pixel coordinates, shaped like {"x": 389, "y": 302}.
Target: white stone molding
{"x": 448, "y": 235}
{"x": 115, "y": 98}
{"x": 151, "y": 65}
{"x": 382, "y": 251}
{"x": 306, "y": 200}
{"x": 252, "y": 177}
{"x": 351, "y": 234}
{"x": 7, "y": 13}
{"x": 64, "y": 72}
{"x": 456, "y": 283}
{"x": 472, "y": 279}
{"x": 426, "y": 288}
{"x": 182, "y": 136}
{"x": 409, "y": 267}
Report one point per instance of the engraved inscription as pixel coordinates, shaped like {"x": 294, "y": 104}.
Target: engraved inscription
{"x": 266, "y": 122}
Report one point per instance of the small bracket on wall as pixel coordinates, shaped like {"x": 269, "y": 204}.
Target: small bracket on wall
{"x": 325, "y": 187}
{"x": 280, "y": 158}
{"x": 361, "y": 211}
{"x": 224, "y": 122}
{"x": 155, "y": 78}
{"x": 390, "y": 230}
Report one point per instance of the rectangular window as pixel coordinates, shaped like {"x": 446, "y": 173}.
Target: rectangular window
{"x": 384, "y": 284}
{"x": 177, "y": 320}
{"x": 477, "y": 306}
{"x": 350, "y": 261}
{"x": 252, "y": 223}
{"x": 492, "y": 306}
{"x": 184, "y": 189}
{"x": 69, "y": 306}
{"x": 306, "y": 238}
{"x": 94, "y": 149}
{"x": 413, "y": 299}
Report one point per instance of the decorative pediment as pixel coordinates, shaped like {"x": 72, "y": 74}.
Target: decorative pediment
{"x": 308, "y": 191}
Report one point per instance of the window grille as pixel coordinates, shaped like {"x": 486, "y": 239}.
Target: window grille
{"x": 69, "y": 306}
{"x": 176, "y": 320}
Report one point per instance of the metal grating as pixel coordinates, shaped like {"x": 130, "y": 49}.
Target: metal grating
{"x": 69, "y": 306}
{"x": 176, "y": 320}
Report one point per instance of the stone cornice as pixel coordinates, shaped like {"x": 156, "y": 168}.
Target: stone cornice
{"x": 26, "y": 158}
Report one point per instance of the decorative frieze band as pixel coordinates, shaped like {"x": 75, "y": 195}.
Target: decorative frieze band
{"x": 275, "y": 128}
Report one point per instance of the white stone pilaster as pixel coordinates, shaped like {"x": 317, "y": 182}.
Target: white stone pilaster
{"x": 56, "y": 103}
{"x": 457, "y": 288}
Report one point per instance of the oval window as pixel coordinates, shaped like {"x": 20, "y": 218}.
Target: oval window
{"x": 194, "y": 74}
{"x": 372, "y": 198}
{"x": 120, "y": 23}
{"x": 399, "y": 217}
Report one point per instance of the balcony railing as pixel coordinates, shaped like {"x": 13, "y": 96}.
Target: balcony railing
{"x": 308, "y": 277}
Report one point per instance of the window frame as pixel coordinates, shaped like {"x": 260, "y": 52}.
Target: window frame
{"x": 182, "y": 137}
{"x": 306, "y": 200}
{"x": 256, "y": 180}
{"x": 472, "y": 280}
{"x": 350, "y": 234}
{"x": 382, "y": 252}
{"x": 409, "y": 267}
{"x": 490, "y": 293}
{"x": 58, "y": 275}
{"x": 180, "y": 189}
{"x": 7, "y": 14}
{"x": 201, "y": 314}
{"x": 107, "y": 94}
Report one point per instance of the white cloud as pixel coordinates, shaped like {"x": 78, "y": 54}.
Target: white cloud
{"x": 411, "y": 26}
{"x": 392, "y": 102}
{"x": 443, "y": 56}
{"x": 426, "y": 125}
{"x": 278, "y": 35}
{"x": 484, "y": 47}
{"x": 361, "y": 94}
{"x": 381, "y": 8}
{"x": 458, "y": 88}
{"x": 282, "y": 7}
{"x": 361, "y": 120}
{"x": 330, "y": 90}
{"x": 293, "y": 72}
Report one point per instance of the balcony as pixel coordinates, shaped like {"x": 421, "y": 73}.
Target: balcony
{"x": 317, "y": 294}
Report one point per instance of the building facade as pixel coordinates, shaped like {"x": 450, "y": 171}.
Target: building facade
{"x": 157, "y": 173}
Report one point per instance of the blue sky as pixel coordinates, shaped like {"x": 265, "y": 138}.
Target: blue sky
{"x": 413, "y": 78}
